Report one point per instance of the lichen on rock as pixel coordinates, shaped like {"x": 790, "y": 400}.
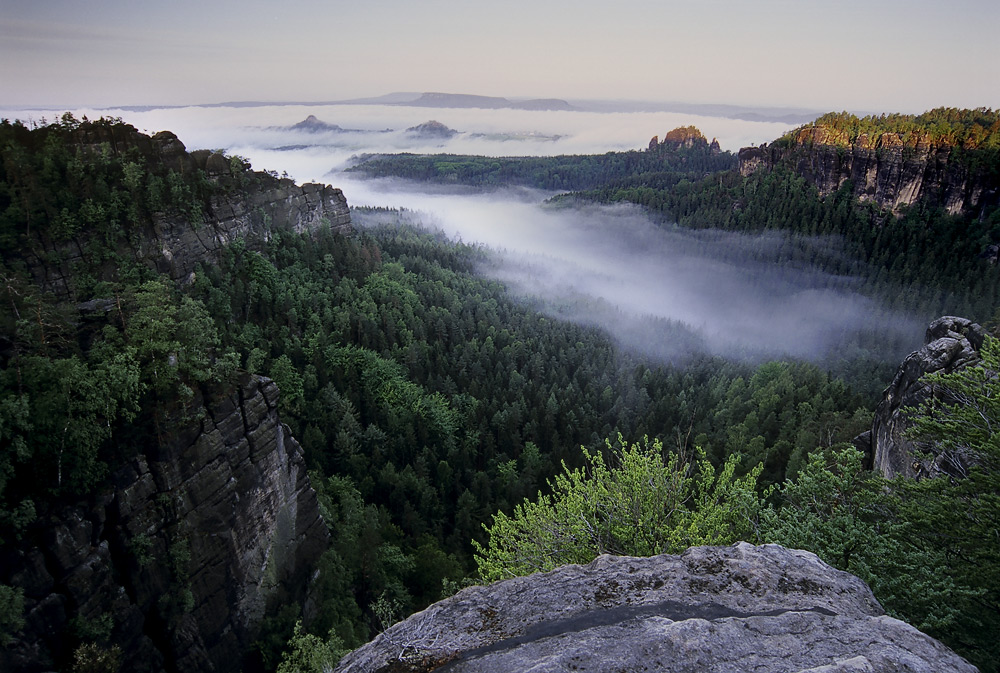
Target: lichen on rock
{"x": 732, "y": 608}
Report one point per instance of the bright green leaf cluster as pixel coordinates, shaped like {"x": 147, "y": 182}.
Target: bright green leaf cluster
{"x": 651, "y": 502}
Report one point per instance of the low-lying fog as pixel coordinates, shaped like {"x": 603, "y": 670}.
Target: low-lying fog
{"x": 263, "y": 134}
{"x": 665, "y": 292}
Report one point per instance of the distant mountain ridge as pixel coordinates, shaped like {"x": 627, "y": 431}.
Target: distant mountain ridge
{"x": 790, "y": 116}
{"x": 462, "y": 100}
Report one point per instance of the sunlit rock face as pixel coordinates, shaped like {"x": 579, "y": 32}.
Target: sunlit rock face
{"x": 739, "y": 608}
{"x": 949, "y": 344}
{"x": 201, "y": 536}
{"x": 887, "y": 171}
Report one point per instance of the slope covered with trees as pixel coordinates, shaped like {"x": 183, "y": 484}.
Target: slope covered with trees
{"x": 427, "y": 400}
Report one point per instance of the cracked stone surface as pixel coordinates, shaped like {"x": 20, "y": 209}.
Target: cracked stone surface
{"x": 738, "y": 608}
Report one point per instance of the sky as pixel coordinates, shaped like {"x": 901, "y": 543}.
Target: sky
{"x": 859, "y": 55}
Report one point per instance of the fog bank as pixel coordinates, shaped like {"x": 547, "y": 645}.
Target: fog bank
{"x": 664, "y": 292}
{"x": 263, "y": 134}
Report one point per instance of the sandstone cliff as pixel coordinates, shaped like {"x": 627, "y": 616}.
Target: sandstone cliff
{"x": 738, "y": 608}
{"x": 178, "y": 561}
{"x": 684, "y": 137}
{"x": 887, "y": 171}
{"x": 949, "y": 344}
{"x": 209, "y": 523}
{"x": 245, "y": 204}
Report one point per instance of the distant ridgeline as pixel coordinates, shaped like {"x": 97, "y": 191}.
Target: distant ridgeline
{"x": 913, "y": 199}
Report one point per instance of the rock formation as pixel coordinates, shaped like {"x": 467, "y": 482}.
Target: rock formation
{"x": 682, "y": 136}
{"x": 312, "y": 124}
{"x": 433, "y": 130}
{"x": 180, "y": 559}
{"x": 887, "y": 171}
{"x": 949, "y": 344}
{"x": 208, "y": 523}
{"x": 174, "y": 245}
{"x": 739, "y": 608}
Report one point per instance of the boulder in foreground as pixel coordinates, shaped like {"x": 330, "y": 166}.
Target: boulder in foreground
{"x": 738, "y": 608}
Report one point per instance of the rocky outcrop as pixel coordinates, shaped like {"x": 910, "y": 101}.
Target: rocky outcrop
{"x": 949, "y": 344}
{"x": 885, "y": 170}
{"x": 432, "y": 130}
{"x": 245, "y": 204}
{"x": 176, "y": 247}
{"x": 312, "y": 124}
{"x": 739, "y": 608}
{"x": 179, "y": 561}
{"x": 681, "y": 137}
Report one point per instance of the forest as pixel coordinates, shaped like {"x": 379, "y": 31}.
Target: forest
{"x": 444, "y": 423}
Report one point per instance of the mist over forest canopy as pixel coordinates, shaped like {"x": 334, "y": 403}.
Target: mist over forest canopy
{"x": 265, "y": 135}
{"x": 663, "y": 292}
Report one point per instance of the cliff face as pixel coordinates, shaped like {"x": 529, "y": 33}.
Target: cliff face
{"x": 210, "y": 523}
{"x": 180, "y": 559}
{"x": 249, "y": 205}
{"x": 885, "y": 171}
{"x": 721, "y": 609}
{"x": 949, "y": 344}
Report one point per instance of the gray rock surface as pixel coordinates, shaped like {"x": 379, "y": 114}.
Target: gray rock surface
{"x": 949, "y": 344}
{"x": 201, "y": 533}
{"x": 710, "y": 609}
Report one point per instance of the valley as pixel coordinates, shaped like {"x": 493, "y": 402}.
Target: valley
{"x": 467, "y": 339}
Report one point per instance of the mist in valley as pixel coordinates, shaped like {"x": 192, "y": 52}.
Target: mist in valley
{"x": 263, "y": 134}
{"x": 663, "y": 292}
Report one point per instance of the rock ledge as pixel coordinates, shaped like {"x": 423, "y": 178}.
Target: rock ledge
{"x": 733, "y": 609}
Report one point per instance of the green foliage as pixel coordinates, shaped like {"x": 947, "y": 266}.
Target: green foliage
{"x": 955, "y": 521}
{"x": 962, "y": 414}
{"x": 971, "y": 129}
{"x": 307, "y": 653}
{"x": 928, "y": 549}
{"x": 11, "y": 612}
{"x": 645, "y": 505}
{"x": 838, "y": 510}
{"x": 573, "y": 172}
{"x": 926, "y": 262}
{"x": 426, "y": 399}
{"x": 93, "y": 630}
{"x": 94, "y": 658}
{"x": 57, "y": 184}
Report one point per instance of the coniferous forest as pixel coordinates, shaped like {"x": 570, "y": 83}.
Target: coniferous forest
{"x": 445, "y": 423}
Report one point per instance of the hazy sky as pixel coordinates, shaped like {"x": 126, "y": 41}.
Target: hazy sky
{"x": 873, "y": 55}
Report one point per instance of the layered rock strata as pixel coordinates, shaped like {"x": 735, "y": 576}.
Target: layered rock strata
{"x": 949, "y": 344}
{"x": 885, "y": 170}
{"x": 178, "y": 562}
{"x": 720, "y": 609}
